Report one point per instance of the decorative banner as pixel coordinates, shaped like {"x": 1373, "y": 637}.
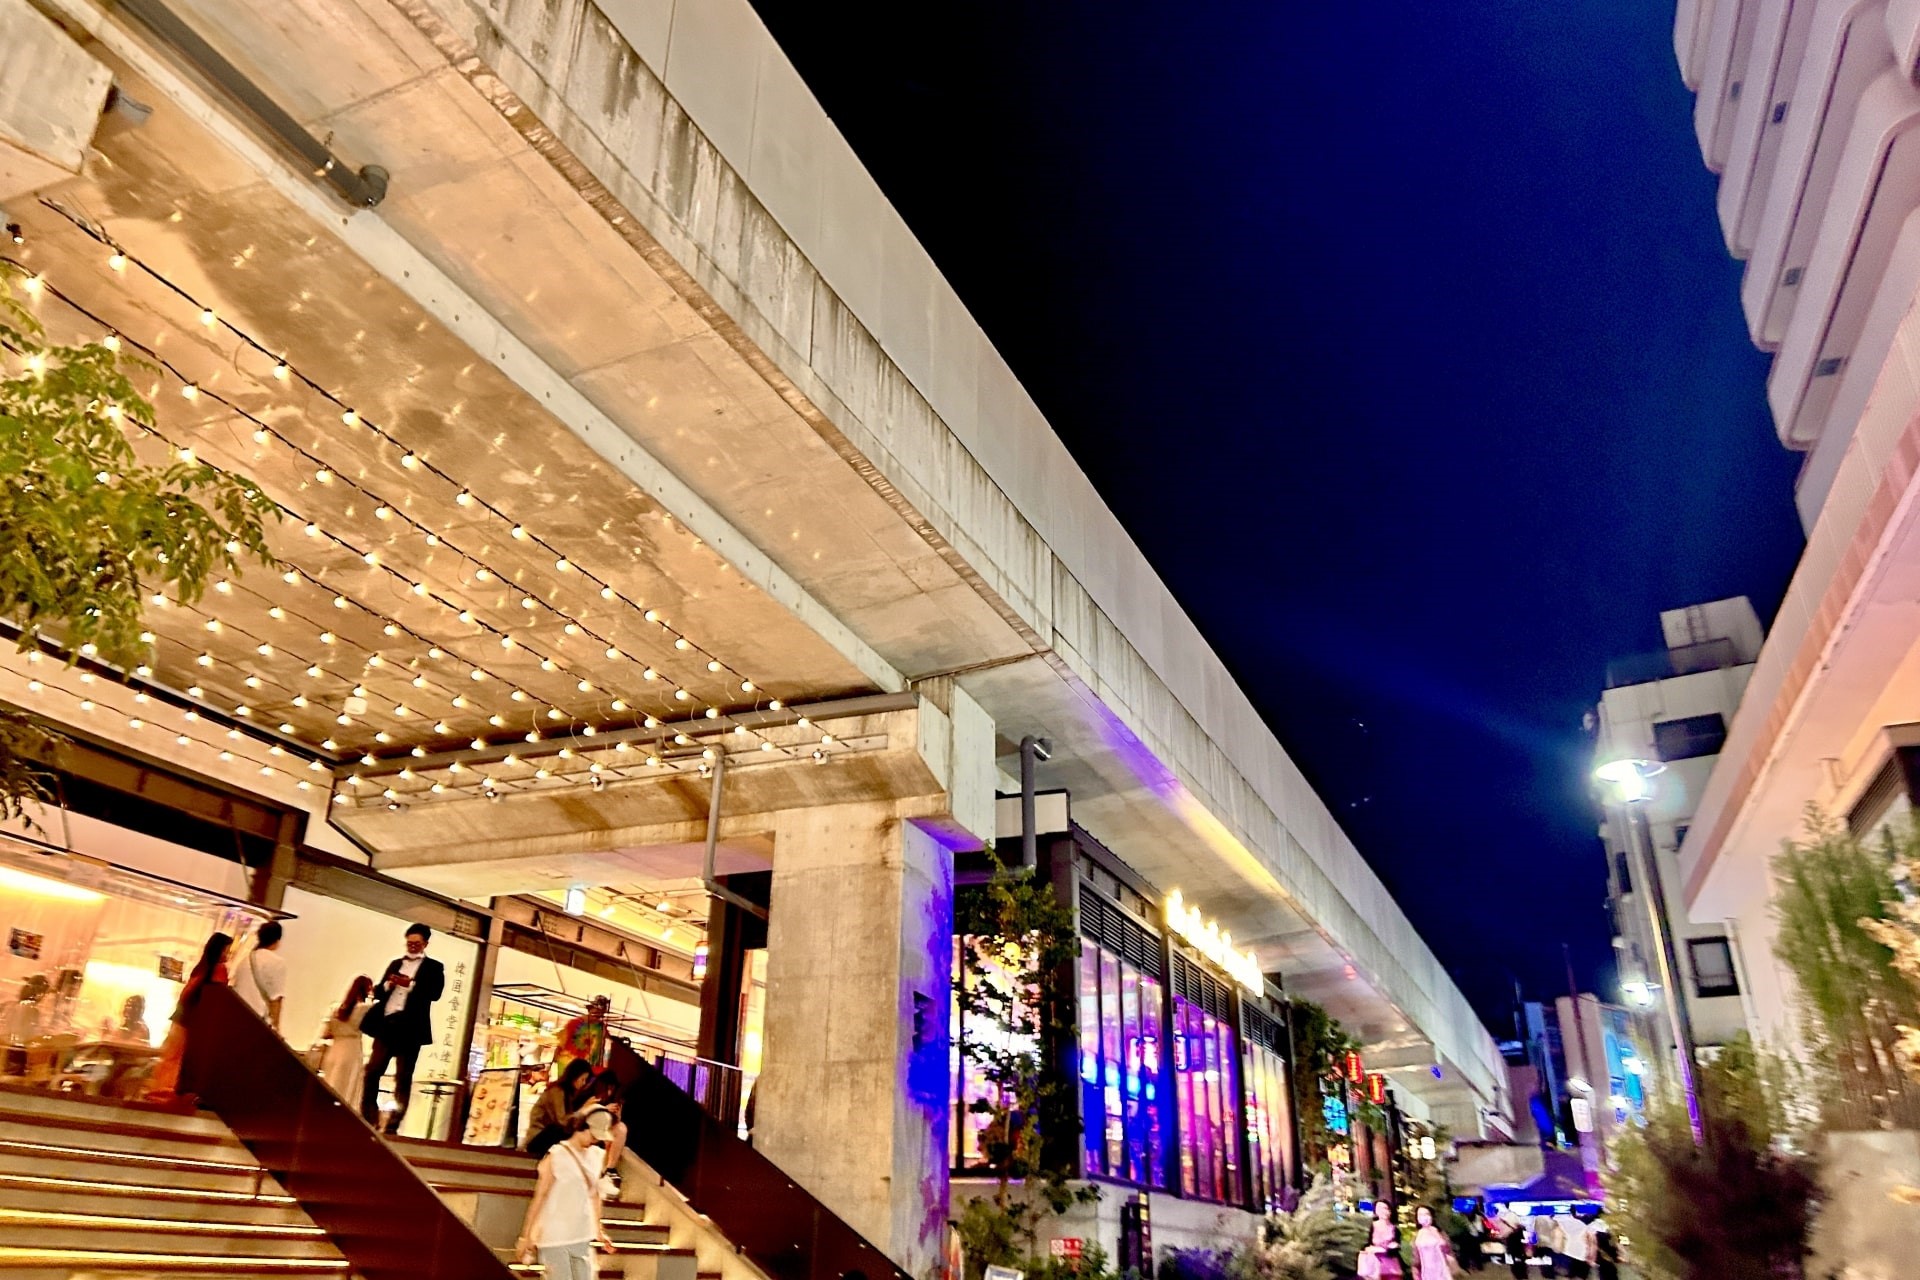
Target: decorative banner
{"x": 1376, "y": 1088}
{"x": 1206, "y": 937}
{"x": 1356, "y": 1070}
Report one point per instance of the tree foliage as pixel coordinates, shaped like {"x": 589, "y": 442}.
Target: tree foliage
{"x": 1837, "y": 908}
{"x": 1316, "y": 1240}
{"x": 1017, "y": 939}
{"x": 1740, "y": 1204}
{"x": 1320, "y": 1048}
{"x": 88, "y": 528}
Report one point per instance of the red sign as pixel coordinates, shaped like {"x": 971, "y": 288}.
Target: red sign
{"x": 1356, "y": 1072}
{"x": 1070, "y": 1247}
{"x": 1376, "y": 1088}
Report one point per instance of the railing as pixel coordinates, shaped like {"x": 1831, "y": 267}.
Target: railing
{"x": 1687, "y": 660}
{"x": 771, "y": 1219}
{"x": 388, "y": 1223}
{"x": 716, "y": 1086}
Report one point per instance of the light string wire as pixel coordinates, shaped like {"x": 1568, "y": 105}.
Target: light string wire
{"x": 372, "y": 558}
{"x": 350, "y": 417}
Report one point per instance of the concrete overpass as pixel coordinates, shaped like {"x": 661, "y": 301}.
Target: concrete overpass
{"x": 629, "y": 284}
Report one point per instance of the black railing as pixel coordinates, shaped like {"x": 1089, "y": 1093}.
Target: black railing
{"x": 765, "y": 1214}
{"x": 1687, "y": 660}
{"x": 389, "y": 1224}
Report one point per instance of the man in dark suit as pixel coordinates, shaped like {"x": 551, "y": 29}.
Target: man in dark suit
{"x": 401, "y": 1024}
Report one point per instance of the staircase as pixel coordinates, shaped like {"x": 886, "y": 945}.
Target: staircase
{"x": 491, "y": 1188}
{"x": 93, "y": 1190}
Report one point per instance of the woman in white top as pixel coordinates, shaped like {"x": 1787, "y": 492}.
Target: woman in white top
{"x": 563, "y": 1222}
{"x": 344, "y": 1060}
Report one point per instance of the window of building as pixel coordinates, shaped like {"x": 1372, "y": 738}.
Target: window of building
{"x": 1269, "y": 1111}
{"x": 1122, "y": 1069}
{"x": 1712, "y": 967}
{"x": 1690, "y": 737}
{"x": 1003, "y": 969}
{"x": 1206, "y": 1071}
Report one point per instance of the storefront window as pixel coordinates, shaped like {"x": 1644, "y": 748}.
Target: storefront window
{"x": 1120, "y": 1069}
{"x": 1001, "y": 967}
{"x": 94, "y": 960}
{"x": 1269, "y": 1125}
{"x": 1209, "y": 1103}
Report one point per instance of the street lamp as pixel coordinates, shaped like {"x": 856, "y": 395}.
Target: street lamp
{"x": 1629, "y": 784}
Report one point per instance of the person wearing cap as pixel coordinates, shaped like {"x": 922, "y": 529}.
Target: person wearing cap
{"x": 563, "y": 1222}
{"x": 400, "y": 1024}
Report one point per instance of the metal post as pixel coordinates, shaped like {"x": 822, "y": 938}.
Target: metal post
{"x": 1640, "y": 842}
{"x": 1032, "y": 749}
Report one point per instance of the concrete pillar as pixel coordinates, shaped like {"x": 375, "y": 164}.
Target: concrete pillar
{"x": 51, "y": 94}
{"x": 853, "y": 1099}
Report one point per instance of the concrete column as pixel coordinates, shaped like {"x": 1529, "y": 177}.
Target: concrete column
{"x": 853, "y": 1100}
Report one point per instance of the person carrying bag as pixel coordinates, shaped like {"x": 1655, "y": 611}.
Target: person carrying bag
{"x": 563, "y": 1223}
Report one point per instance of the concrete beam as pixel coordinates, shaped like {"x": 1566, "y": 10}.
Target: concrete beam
{"x": 51, "y": 95}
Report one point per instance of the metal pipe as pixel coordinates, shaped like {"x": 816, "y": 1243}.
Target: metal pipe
{"x": 707, "y": 876}
{"x": 362, "y": 188}
{"x": 1032, "y": 749}
{"x": 1640, "y": 840}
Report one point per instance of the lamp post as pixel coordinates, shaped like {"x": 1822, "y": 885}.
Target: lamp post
{"x": 1629, "y": 785}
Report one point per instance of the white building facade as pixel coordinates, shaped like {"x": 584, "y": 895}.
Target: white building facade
{"x": 1811, "y": 115}
{"x": 1673, "y": 707}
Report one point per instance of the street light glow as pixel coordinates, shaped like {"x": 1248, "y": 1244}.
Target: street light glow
{"x": 1628, "y": 780}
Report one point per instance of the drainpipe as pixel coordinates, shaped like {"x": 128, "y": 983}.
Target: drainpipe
{"x": 1032, "y": 749}
{"x": 707, "y": 877}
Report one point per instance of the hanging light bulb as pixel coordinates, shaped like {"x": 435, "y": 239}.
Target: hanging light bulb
{"x": 520, "y": 532}
{"x": 563, "y": 564}
{"x": 572, "y": 628}
{"x": 383, "y": 512}
{"x": 649, "y": 674}
{"x": 483, "y": 574}
{"x": 314, "y": 672}
{"x": 518, "y": 695}
{"x": 775, "y": 705}
{"x": 340, "y": 602}
{"x": 189, "y": 392}
{"x": 276, "y": 613}
{"x": 350, "y": 418}
{"x": 548, "y": 664}
{"x": 619, "y": 704}
{"x": 117, "y": 260}
{"x": 682, "y": 644}
{"x": 463, "y": 498}
{"x": 323, "y": 475}
{"x": 606, "y": 593}
{"x": 280, "y": 371}
{"x": 410, "y": 460}
{"x": 528, "y": 602}
{"x": 327, "y": 637}
{"x": 207, "y": 317}
{"x": 260, "y": 435}
{"x": 436, "y": 653}
{"x": 313, "y": 530}
{"x": 651, "y": 615}
{"x": 713, "y": 664}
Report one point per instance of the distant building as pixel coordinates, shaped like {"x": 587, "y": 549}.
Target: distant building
{"x": 1673, "y": 707}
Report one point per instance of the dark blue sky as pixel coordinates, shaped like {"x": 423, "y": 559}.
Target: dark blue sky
{"x": 1403, "y": 339}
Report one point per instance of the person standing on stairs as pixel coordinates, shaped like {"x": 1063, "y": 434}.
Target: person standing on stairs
{"x": 400, "y": 1024}
{"x": 164, "y": 1084}
{"x": 563, "y": 1222}
{"x": 262, "y": 979}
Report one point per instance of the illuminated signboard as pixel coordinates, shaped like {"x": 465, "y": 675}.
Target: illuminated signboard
{"x": 1205, "y": 936}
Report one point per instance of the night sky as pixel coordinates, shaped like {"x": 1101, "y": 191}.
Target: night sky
{"x": 1403, "y": 339}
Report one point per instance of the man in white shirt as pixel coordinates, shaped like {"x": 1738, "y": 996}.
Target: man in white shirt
{"x": 1575, "y": 1246}
{"x": 262, "y": 980}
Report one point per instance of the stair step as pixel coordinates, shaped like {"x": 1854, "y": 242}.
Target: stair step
{"x": 135, "y": 1138}
{"x": 16, "y": 1200}
{"x": 13, "y": 1149}
{"x": 159, "y": 1237}
{"x": 133, "y": 1265}
{"x": 14, "y": 1184}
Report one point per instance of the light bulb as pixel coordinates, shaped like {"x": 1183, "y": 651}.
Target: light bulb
{"x": 32, "y": 284}
{"x": 409, "y": 460}
{"x": 766, "y": 746}
{"x": 585, "y": 686}
{"x": 276, "y": 613}
{"x": 713, "y": 664}
{"x": 260, "y": 435}
{"x": 606, "y": 593}
{"x": 651, "y": 615}
{"x": 281, "y": 372}
{"x": 212, "y": 624}
{"x": 436, "y": 653}
{"x": 340, "y": 602}
{"x": 264, "y": 650}
{"x": 483, "y": 574}
{"x": 497, "y": 721}
{"x": 324, "y": 476}
{"x": 383, "y": 512}
{"x": 299, "y": 699}
{"x": 682, "y": 644}
{"x": 548, "y": 664}
{"x": 520, "y": 532}
{"x": 528, "y": 602}
{"x": 681, "y": 695}
{"x": 619, "y": 704}
{"x": 572, "y": 628}
{"x": 775, "y": 705}
{"x": 314, "y": 672}
{"x": 189, "y": 392}
{"x": 713, "y": 713}
{"x": 400, "y": 710}
{"x": 419, "y": 682}
{"x": 34, "y": 686}
{"x": 519, "y": 695}
{"x": 476, "y": 675}
{"x": 372, "y": 558}
{"x": 466, "y": 615}
{"x": 359, "y": 691}
{"x": 506, "y": 642}
{"x": 478, "y": 744}
{"x": 327, "y": 637}
{"x": 649, "y": 674}
{"x": 746, "y": 686}
{"x": 390, "y": 630}
{"x": 207, "y": 317}
{"x": 343, "y": 718}
{"x": 563, "y": 564}
{"x": 463, "y": 498}
{"x": 252, "y": 682}
{"x": 118, "y": 261}
{"x": 440, "y": 726}
{"x": 350, "y": 418}
{"x": 313, "y": 530}
{"x": 185, "y": 455}
{"x": 554, "y": 713}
